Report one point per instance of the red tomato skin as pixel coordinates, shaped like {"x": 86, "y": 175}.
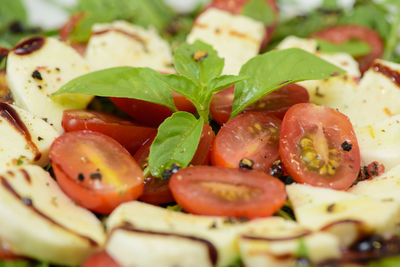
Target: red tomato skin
{"x": 100, "y": 197}
{"x": 151, "y": 114}
{"x": 101, "y": 259}
{"x": 186, "y": 186}
{"x": 127, "y": 133}
{"x": 234, "y": 142}
{"x": 276, "y": 103}
{"x": 235, "y": 7}
{"x": 156, "y": 191}
{"x": 342, "y": 33}
{"x": 302, "y": 117}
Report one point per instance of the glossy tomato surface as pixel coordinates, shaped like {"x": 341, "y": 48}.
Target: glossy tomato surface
{"x": 250, "y": 136}
{"x": 342, "y": 33}
{"x": 95, "y": 170}
{"x": 318, "y": 146}
{"x": 221, "y": 191}
{"x": 275, "y": 103}
{"x": 129, "y": 134}
{"x": 149, "y": 113}
{"x": 156, "y": 190}
{"x": 236, "y": 7}
{"x": 101, "y": 259}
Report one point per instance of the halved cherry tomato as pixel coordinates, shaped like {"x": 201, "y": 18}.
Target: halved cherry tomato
{"x": 68, "y": 28}
{"x": 95, "y": 170}
{"x": 156, "y": 191}
{"x": 275, "y": 103}
{"x": 251, "y": 138}
{"x": 221, "y": 191}
{"x": 236, "y": 6}
{"x": 129, "y": 134}
{"x": 101, "y": 259}
{"x": 149, "y": 113}
{"x": 318, "y": 146}
{"x": 342, "y": 33}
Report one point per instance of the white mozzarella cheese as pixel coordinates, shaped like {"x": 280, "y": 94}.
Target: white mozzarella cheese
{"x": 123, "y": 44}
{"x": 236, "y": 38}
{"x": 318, "y": 207}
{"x": 380, "y": 142}
{"x": 25, "y": 138}
{"x": 277, "y": 242}
{"x": 39, "y": 221}
{"x": 33, "y": 77}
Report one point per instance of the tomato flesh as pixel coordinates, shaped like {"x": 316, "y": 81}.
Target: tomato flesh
{"x": 250, "y": 136}
{"x": 222, "y": 191}
{"x": 95, "y": 170}
{"x": 342, "y": 33}
{"x": 318, "y": 146}
{"x": 129, "y": 134}
{"x": 149, "y": 113}
{"x": 101, "y": 259}
{"x": 275, "y": 103}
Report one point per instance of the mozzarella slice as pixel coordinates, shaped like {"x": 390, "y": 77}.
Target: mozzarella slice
{"x": 33, "y": 77}
{"x": 318, "y": 207}
{"x": 123, "y": 44}
{"x": 278, "y": 241}
{"x": 25, "y": 138}
{"x": 380, "y": 142}
{"x": 236, "y": 38}
{"x": 38, "y": 220}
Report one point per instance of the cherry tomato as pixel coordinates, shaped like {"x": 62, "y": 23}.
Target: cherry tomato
{"x": 69, "y": 26}
{"x": 149, "y": 113}
{"x": 221, "y": 191}
{"x": 101, "y": 259}
{"x": 249, "y": 140}
{"x": 342, "y": 33}
{"x": 318, "y": 146}
{"x": 95, "y": 170}
{"x": 236, "y": 6}
{"x": 156, "y": 191}
{"x": 275, "y": 103}
{"x": 127, "y": 133}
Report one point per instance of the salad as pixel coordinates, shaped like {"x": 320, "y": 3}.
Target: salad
{"x": 233, "y": 135}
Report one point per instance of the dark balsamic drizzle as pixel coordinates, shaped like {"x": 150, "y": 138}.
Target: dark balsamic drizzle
{"x": 3, "y": 53}
{"x": 26, "y": 176}
{"x": 393, "y": 75}
{"x": 29, "y": 46}
{"x": 8, "y": 113}
{"x": 131, "y": 35}
{"x": 212, "y": 251}
{"x": 10, "y": 189}
{"x": 273, "y": 239}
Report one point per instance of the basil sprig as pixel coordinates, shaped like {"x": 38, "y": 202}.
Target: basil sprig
{"x": 355, "y": 48}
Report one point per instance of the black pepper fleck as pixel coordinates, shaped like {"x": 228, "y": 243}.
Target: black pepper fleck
{"x": 96, "y": 175}
{"x": 81, "y": 177}
{"x": 346, "y": 146}
{"x": 330, "y": 208}
{"x": 27, "y": 201}
{"x": 36, "y": 75}
{"x": 40, "y": 138}
{"x": 246, "y": 164}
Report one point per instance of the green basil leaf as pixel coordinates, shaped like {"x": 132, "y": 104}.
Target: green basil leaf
{"x": 189, "y": 62}
{"x": 387, "y": 262}
{"x": 176, "y": 142}
{"x": 183, "y": 86}
{"x": 139, "y": 83}
{"x": 259, "y": 10}
{"x": 224, "y": 81}
{"x": 356, "y": 48}
{"x": 275, "y": 69}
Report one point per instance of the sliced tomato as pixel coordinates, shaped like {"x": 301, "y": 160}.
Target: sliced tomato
{"x": 149, "y": 113}
{"x": 222, "y": 191}
{"x": 236, "y": 7}
{"x": 101, "y": 259}
{"x": 342, "y": 33}
{"x": 251, "y": 138}
{"x": 95, "y": 170}
{"x": 275, "y": 103}
{"x": 318, "y": 146}
{"x": 156, "y": 191}
{"x": 129, "y": 134}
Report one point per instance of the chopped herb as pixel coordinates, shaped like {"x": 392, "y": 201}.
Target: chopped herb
{"x": 175, "y": 208}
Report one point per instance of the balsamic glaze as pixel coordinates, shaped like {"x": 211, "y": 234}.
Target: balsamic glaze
{"x": 391, "y": 74}
{"x": 29, "y": 46}
{"x": 8, "y": 113}
{"x": 3, "y": 53}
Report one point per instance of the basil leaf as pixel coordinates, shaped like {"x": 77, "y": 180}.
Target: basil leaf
{"x": 387, "y": 262}
{"x": 198, "y": 62}
{"x": 139, "y": 83}
{"x": 356, "y": 48}
{"x": 275, "y": 69}
{"x": 259, "y": 10}
{"x": 176, "y": 142}
{"x": 224, "y": 81}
